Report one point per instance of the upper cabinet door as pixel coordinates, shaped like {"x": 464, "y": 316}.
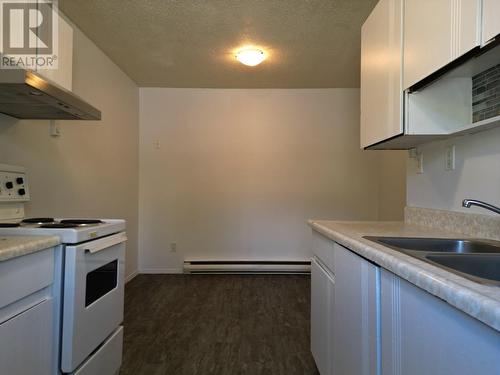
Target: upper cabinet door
{"x": 467, "y": 26}
{"x": 491, "y": 20}
{"x": 63, "y": 75}
{"x": 428, "y": 44}
{"x": 436, "y": 33}
{"x": 381, "y": 64}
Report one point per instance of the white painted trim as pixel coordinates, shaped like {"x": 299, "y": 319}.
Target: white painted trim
{"x": 131, "y": 276}
{"x": 160, "y": 270}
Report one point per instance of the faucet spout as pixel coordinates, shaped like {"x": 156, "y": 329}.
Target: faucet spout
{"x": 467, "y": 203}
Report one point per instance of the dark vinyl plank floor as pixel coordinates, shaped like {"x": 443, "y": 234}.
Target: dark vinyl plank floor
{"x": 217, "y": 324}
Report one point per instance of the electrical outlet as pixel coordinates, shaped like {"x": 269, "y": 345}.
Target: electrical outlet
{"x": 54, "y": 129}
{"x": 173, "y": 247}
{"x": 420, "y": 162}
{"x": 450, "y": 158}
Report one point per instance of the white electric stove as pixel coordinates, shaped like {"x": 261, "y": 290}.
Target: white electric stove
{"x": 91, "y": 274}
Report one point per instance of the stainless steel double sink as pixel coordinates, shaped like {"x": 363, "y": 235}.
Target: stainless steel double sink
{"x": 477, "y": 260}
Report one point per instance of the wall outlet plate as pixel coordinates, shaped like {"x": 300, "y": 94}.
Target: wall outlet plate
{"x": 450, "y": 158}
{"x": 420, "y": 162}
{"x": 54, "y": 129}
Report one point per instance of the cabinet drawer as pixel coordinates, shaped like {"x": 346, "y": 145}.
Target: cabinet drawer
{"x": 22, "y": 276}
{"x": 107, "y": 359}
{"x": 322, "y": 247}
{"x": 27, "y": 342}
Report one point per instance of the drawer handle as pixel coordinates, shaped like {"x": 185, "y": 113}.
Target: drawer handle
{"x": 105, "y": 243}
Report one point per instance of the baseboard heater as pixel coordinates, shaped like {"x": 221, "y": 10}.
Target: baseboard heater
{"x": 246, "y": 267}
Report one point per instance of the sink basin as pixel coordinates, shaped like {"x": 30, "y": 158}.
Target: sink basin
{"x": 484, "y": 267}
{"x": 439, "y": 245}
{"x": 477, "y": 260}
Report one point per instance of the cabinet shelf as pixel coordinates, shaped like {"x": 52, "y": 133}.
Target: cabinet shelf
{"x": 409, "y": 141}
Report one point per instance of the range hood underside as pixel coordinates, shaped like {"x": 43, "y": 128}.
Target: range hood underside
{"x": 25, "y": 95}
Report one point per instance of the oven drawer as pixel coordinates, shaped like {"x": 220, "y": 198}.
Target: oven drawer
{"x": 22, "y": 276}
{"x": 107, "y": 359}
{"x": 93, "y": 297}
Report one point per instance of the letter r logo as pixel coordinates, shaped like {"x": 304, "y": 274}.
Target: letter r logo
{"x": 27, "y": 27}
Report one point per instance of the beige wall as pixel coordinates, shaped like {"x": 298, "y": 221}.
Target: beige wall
{"x": 392, "y": 194}
{"x": 476, "y": 174}
{"x": 235, "y": 174}
{"x": 92, "y": 169}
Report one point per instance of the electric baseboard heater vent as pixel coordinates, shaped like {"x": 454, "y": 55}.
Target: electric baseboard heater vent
{"x": 247, "y": 267}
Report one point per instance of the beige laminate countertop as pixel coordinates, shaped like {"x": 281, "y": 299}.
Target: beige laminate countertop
{"x": 477, "y": 300}
{"x": 16, "y": 246}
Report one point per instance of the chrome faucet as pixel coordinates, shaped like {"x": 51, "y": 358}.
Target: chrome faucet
{"x": 472, "y": 202}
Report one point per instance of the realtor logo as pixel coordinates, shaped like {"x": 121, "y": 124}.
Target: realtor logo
{"x": 28, "y": 37}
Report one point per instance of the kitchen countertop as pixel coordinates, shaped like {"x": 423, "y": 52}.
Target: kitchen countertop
{"x": 16, "y": 246}
{"x": 477, "y": 300}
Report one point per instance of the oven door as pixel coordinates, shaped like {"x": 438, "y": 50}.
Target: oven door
{"x": 93, "y": 296}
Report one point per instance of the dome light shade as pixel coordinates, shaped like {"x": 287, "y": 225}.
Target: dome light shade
{"x": 250, "y": 56}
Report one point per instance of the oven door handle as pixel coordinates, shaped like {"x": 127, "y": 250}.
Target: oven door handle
{"x": 96, "y": 246}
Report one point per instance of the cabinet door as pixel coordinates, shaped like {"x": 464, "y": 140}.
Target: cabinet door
{"x": 436, "y": 32}
{"x": 428, "y": 44}
{"x": 322, "y": 302}
{"x": 491, "y": 20}
{"x": 381, "y": 73}
{"x": 63, "y": 75}
{"x": 26, "y": 342}
{"x": 355, "y": 314}
{"x": 467, "y": 26}
{"x": 422, "y": 334}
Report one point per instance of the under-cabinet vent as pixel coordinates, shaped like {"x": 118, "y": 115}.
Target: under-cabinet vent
{"x": 247, "y": 267}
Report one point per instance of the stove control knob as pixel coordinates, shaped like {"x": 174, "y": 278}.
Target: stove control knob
{"x": 21, "y": 192}
{"x": 20, "y": 180}
{"x": 9, "y": 185}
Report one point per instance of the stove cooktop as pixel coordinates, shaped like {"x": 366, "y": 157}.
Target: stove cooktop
{"x": 70, "y": 231}
{"x": 49, "y": 222}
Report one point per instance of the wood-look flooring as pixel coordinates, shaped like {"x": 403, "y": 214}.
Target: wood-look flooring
{"x": 217, "y": 325}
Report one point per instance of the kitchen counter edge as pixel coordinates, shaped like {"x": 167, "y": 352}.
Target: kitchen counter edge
{"x": 16, "y": 246}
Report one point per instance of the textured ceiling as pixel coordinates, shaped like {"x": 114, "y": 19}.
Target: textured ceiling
{"x": 189, "y": 43}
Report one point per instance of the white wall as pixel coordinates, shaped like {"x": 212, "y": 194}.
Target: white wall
{"x": 477, "y": 173}
{"x": 92, "y": 169}
{"x": 238, "y": 172}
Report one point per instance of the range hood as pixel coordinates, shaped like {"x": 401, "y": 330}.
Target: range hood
{"x": 27, "y": 95}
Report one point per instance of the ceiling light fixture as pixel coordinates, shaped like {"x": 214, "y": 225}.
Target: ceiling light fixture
{"x": 250, "y": 56}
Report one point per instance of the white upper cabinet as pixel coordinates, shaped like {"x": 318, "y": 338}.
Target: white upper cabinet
{"x": 381, "y": 64}
{"x": 436, "y": 32}
{"x": 491, "y": 20}
{"x": 63, "y": 75}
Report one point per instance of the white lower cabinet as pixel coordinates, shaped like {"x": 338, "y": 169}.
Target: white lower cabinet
{"x": 366, "y": 320}
{"x": 355, "y": 314}
{"x": 29, "y": 314}
{"x": 421, "y": 334}
{"x": 322, "y": 310}
{"x": 25, "y": 342}
{"x": 344, "y": 316}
